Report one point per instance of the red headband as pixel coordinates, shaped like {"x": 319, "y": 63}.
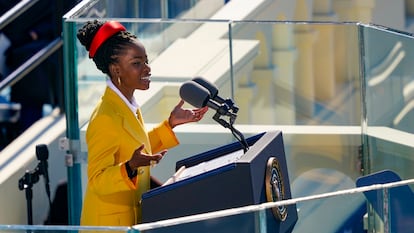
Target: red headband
{"x": 107, "y": 30}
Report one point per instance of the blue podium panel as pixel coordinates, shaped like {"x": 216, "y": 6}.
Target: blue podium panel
{"x": 225, "y": 178}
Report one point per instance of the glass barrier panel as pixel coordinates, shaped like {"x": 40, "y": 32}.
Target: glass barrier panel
{"x": 305, "y": 79}
{"x": 296, "y": 73}
{"x": 391, "y": 149}
{"x": 341, "y": 213}
{"x": 387, "y": 114}
{"x": 388, "y": 77}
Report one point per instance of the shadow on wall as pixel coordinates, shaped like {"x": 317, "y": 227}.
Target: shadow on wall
{"x": 58, "y": 213}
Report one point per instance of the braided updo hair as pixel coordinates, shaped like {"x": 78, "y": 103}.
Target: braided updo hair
{"x": 109, "y": 50}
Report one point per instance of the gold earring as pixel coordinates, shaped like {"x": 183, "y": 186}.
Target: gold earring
{"x": 119, "y": 81}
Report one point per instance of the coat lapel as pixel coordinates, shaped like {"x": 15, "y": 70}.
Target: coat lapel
{"x": 132, "y": 124}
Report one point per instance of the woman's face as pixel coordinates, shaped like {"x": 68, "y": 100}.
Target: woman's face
{"x": 133, "y": 71}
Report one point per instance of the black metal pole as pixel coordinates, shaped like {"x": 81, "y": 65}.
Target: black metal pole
{"x": 29, "y": 197}
{"x": 29, "y": 194}
{"x": 26, "y": 183}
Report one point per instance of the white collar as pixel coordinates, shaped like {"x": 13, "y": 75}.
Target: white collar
{"x": 133, "y": 105}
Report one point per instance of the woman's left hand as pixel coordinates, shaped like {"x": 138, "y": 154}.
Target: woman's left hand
{"x": 179, "y": 115}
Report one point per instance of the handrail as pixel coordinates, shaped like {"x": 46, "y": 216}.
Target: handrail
{"x": 15, "y": 12}
{"x": 31, "y": 63}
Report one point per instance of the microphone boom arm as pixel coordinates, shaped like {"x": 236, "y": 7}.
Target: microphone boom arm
{"x": 232, "y": 118}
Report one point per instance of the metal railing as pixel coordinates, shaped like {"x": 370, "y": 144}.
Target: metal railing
{"x": 37, "y": 58}
{"x": 31, "y": 63}
{"x": 10, "y": 111}
{"x": 15, "y": 12}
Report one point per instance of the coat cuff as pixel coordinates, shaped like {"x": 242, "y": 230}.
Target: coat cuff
{"x": 130, "y": 182}
{"x": 168, "y": 137}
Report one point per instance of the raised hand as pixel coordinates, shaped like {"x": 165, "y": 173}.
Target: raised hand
{"x": 140, "y": 159}
{"x": 180, "y": 115}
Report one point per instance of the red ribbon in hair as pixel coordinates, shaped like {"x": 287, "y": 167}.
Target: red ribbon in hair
{"x": 107, "y": 30}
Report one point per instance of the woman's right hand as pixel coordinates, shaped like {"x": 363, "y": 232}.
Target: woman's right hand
{"x": 140, "y": 159}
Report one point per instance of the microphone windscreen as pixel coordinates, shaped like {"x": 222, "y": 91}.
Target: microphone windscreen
{"x": 194, "y": 94}
{"x": 42, "y": 152}
{"x": 208, "y": 85}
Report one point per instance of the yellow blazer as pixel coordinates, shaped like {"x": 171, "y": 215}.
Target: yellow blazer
{"x": 113, "y": 133}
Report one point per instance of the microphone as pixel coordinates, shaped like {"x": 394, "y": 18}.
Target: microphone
{"x": 210, "y": 87}
{"x": 194, "y": 94}
{"x": 199, "y": 97}
{"x": 42, "y": 155}
{"x": 214, "y": 93}
{"x": 199, "y": 93}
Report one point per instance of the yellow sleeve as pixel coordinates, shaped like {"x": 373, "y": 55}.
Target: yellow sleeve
{"x": 162, "y": 137}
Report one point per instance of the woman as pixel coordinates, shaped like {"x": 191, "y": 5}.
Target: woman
{"x": 120, "y": 150}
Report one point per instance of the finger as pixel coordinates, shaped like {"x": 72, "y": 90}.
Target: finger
{"x": 155, "y": 159}
{"x": 198, "y": 115}
{"x": 180, "y": 104}
{"x": 204, "y": 109}
{"x": 163, "y": 153}
{"x": 140, "y": 148}
{"x": 195, "y": 117}
{"x": 159, "y": 156}
{"x": 201, "y": 110}
{"x": 201, "y": 113}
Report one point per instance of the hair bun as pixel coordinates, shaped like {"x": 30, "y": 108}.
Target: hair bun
{"x": 87, "y": 32}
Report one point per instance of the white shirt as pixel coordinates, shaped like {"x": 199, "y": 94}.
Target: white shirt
{"x": 133, "y": 105}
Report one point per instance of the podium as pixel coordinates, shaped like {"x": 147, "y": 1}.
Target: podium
{"x": 224, "y": 178}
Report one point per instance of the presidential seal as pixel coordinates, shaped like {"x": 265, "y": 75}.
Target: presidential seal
{"x": 275, "y": 189}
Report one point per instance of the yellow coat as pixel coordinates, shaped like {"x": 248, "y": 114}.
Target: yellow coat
{"x": 113, "y": 133}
